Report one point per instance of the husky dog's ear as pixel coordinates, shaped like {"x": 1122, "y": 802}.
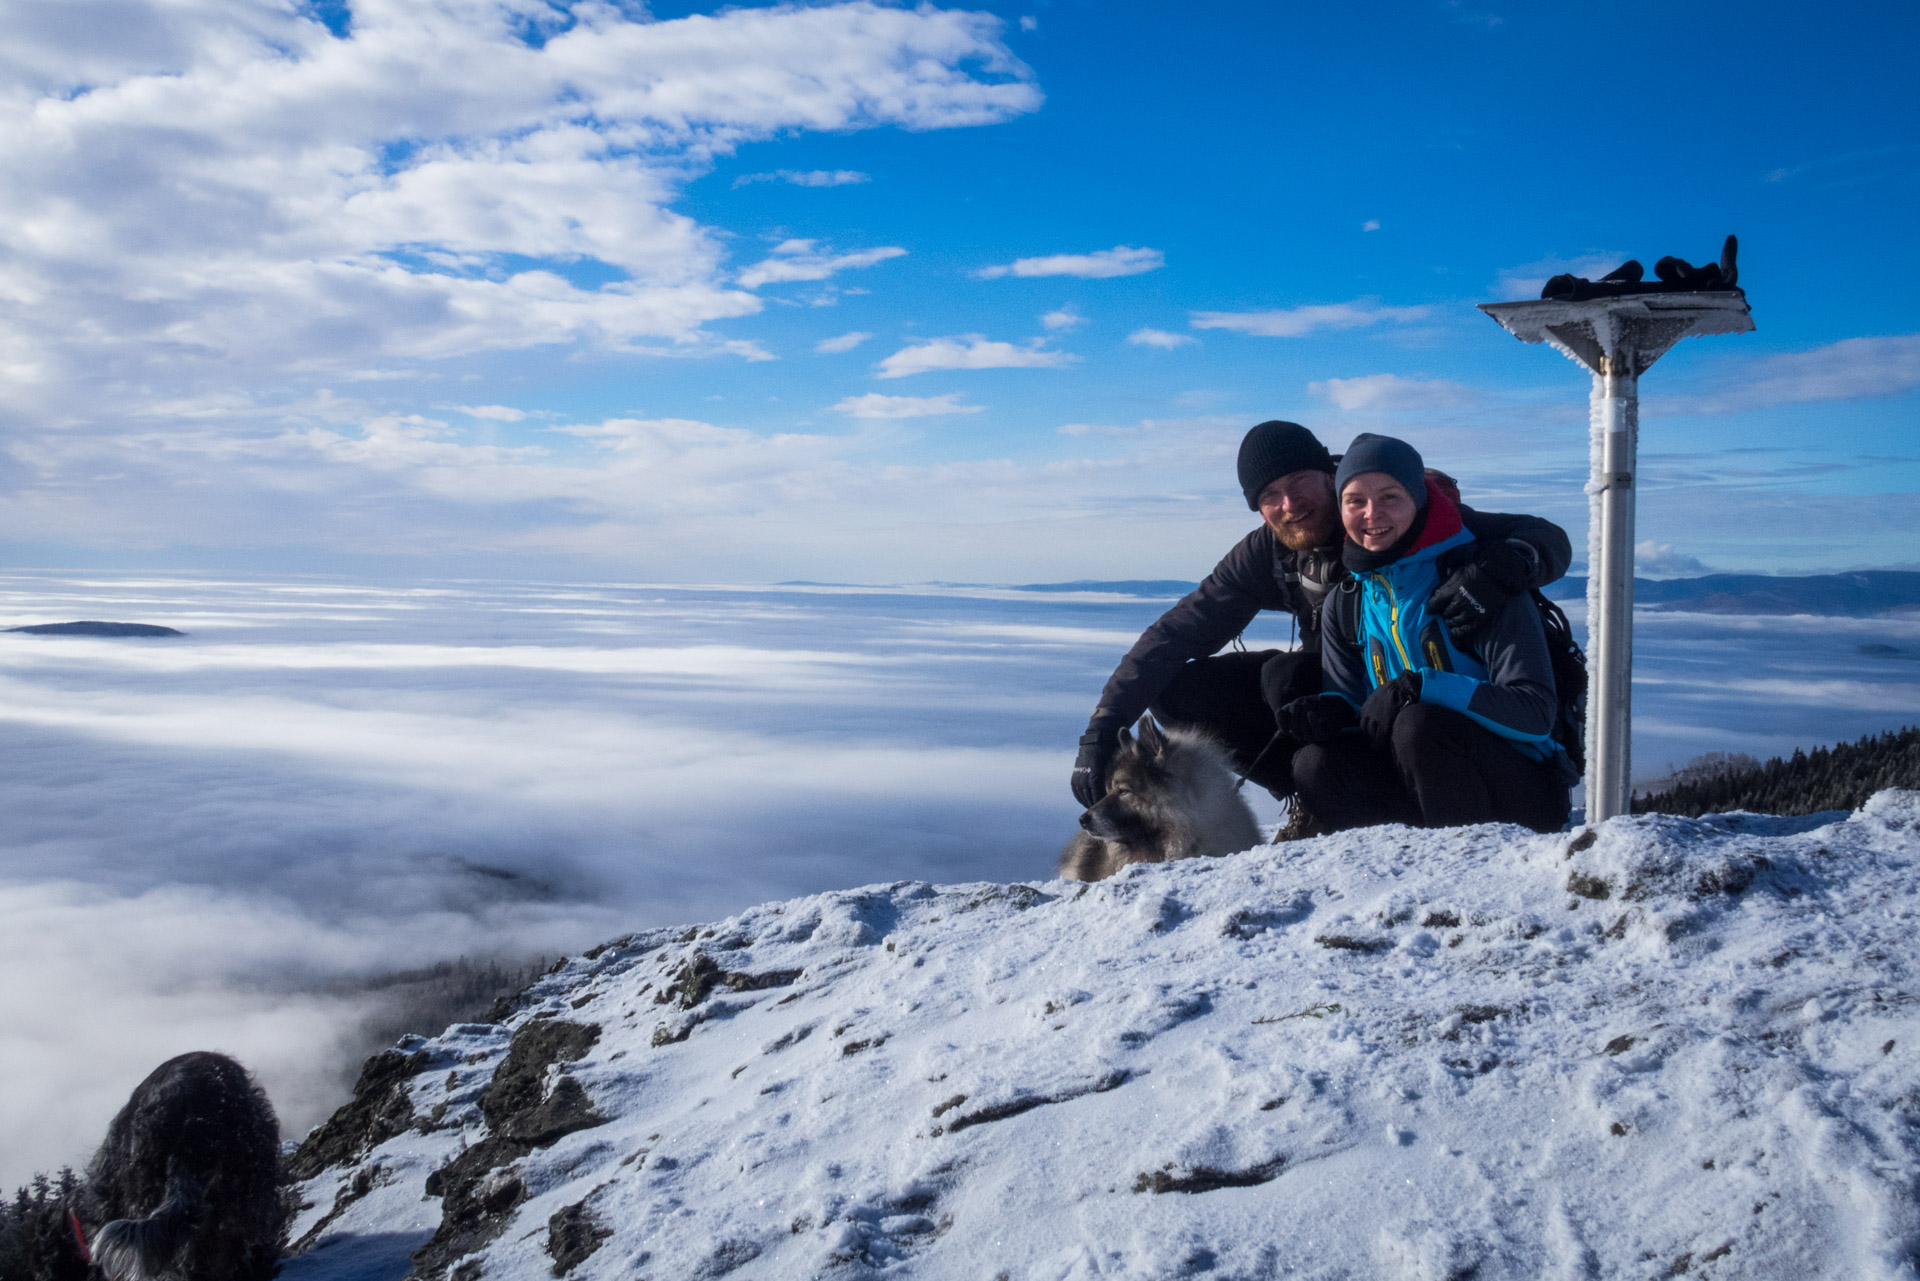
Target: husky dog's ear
{"x": 1126, "y": 738}
{"x": 1152, "y": 741}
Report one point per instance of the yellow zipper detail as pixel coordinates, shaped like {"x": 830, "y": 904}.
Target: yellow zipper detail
{"x": 1393, "y": 621}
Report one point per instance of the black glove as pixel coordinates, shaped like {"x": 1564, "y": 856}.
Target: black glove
{"x": 1481, "y": 578}
{"x": 1098, "y": 746}
{"x": 1384, "y": 705}
{"x": 1317, "y": 718}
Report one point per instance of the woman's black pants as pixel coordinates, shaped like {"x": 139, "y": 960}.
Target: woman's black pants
{"x": 1440, "y": 770}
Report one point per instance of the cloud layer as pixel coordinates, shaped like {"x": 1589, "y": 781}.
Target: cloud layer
{"x": 230, "y": 840}
{"x": 227, "y": 841}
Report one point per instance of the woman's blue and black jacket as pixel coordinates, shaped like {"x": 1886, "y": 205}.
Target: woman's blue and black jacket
{"x": 1377, "y": 626}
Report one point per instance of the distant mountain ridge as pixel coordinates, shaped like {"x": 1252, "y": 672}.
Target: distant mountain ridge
{"x": 94, "y": 627}
{"x": 1854, "y": 595}
{"x": 1118, "y": 586}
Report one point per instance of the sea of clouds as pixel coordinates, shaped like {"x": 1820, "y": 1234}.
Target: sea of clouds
{"x": 234, "y": 839}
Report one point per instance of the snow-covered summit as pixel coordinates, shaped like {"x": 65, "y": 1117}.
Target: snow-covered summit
{"x": 1665, "y": 1047}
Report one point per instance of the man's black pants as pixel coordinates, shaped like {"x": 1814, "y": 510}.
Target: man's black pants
{"x": 1234, "y": 696}
{"x": 1441, "y": 770}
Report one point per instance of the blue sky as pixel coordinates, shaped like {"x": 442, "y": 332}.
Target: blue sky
{"x": 865, "y": 293}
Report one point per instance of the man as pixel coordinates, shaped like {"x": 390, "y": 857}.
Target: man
{"x": 1290, "y": 563}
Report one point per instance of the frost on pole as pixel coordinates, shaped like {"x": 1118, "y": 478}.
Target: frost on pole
{"x": 1615, "y": 328}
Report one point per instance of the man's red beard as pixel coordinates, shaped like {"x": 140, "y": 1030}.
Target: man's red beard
{"x": 1299, "y": 536}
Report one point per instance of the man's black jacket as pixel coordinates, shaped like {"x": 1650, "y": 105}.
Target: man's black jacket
{"x": 1261, "y": 573}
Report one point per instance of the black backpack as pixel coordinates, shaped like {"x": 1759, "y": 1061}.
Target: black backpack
{"x": 1569, "y": 680}
{"x": 1569, "y": 665}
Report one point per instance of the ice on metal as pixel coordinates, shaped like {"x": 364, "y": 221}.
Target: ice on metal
{"x": 1616, "y": 340}
{"x": 1628, "y": 333}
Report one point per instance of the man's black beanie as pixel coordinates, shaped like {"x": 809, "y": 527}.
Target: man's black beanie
{"x": 1275, "y": 449}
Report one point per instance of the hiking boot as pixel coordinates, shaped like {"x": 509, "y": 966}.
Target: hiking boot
{"x": 1300, "y": 825}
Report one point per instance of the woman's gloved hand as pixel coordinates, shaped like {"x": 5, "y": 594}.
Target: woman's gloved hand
{"x": 1317, "y": 718}
{"x": 1384, "y": 706}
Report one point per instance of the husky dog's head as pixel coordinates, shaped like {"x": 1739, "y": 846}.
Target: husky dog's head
{"x": 1171, "y": 795}
{"x": 1134, "y": 810}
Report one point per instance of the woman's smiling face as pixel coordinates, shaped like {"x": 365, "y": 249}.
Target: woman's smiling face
{"x": 1376, "y": 510}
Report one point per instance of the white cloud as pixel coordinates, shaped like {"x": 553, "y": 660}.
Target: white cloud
{"x": 1067, "y": 317}
{"x": 1121, "y": 260}
{"x": 225, "y": 187}
{"x": 1390, "y": 391}
{"x": 970, "y": 352}
{"x": 793, "y": 260}
{"x": 1160, "y": 338}
{"x": 1297, "y": 322}
{"x": 1852, "y": 369}
{"x": 1662, "y": 560}
{"x": 805, "y": 177}
{"x": 875, "y": 405}
{"x": 493, "y": 413}
{"x": 1371, "y": 224}
{"x": 1029, "y": 23}
{"x": 845, "y": 342}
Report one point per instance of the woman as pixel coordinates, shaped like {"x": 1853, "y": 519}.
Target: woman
{"x": 1413, "y": 729}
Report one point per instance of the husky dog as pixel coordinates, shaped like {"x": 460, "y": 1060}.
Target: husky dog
{"x": 188, "y": 1179}
{"x": 1171, "y": 795}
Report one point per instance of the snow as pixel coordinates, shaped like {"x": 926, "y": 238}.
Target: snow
{"x": 1659, "y": 1047}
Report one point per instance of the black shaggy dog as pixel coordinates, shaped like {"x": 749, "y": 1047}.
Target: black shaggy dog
{"x": 186, "y": 1187}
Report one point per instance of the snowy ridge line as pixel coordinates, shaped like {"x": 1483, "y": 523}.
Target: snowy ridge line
{"x": 1664, "y": 1046}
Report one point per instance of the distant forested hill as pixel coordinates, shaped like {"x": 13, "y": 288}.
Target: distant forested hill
{"x": 1805, "y": 783}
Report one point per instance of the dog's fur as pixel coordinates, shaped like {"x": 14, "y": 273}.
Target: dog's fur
{"x": 1172, "y": 794}
{"x": 186, "y": 1186}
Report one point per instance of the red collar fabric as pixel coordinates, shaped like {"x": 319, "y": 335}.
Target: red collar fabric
{"x": 1443, "y": 519}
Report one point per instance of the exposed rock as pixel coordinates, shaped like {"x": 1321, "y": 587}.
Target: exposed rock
{"x": 478, "y": 1189}
{"x": 573, "y": 1233}
{"x": 695, "y": 980}
{"x": 380, "y": 1108}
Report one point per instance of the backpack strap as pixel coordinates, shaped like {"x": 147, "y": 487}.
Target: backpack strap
{"x": 1342, "y": 607}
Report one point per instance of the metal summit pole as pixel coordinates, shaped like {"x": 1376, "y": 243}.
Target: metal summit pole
{"x": 1616, "y": 339}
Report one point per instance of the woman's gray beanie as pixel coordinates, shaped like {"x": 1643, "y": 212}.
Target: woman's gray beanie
{"x": 1396, "y": 458}
{"x": 1275, "y": 449}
